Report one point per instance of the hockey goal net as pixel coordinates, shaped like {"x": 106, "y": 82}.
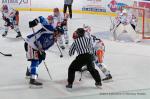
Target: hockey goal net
{"x": 143, "y": 20}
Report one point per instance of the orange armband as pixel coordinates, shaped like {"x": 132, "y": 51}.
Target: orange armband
{"x": 17, "y": 17}
{"x": 100, "y": 54}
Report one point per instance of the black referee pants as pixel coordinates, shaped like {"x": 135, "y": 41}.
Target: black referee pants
{"x": 78, "y": 63}
{"x": 70, "y": 9}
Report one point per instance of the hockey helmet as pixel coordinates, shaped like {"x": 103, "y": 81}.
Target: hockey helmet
{"x": 55, "y": 10}
{"x": 50, "y": 17}
{"x": 5, "y": 8}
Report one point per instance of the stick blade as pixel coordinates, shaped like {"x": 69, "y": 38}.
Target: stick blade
{"x": 7, "y": 54}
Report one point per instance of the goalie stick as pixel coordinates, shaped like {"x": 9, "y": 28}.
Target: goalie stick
{"x": 113, "y": 29}
{"x": 5, "y": 54}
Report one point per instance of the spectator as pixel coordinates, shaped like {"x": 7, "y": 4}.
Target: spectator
{"x": 68, "y": 3}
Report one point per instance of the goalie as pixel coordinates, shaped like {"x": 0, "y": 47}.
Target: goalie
{"x": 125, "y": 23}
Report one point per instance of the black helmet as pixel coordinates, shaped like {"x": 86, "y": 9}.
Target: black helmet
{"x": 80, "y": 32}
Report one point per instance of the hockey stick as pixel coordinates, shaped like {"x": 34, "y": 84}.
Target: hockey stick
{"x": 43, "y": 60}
{"x": 5, "y": 54}
{"x": 48, "y": 70}
{"x": 61, "y": 55}
{"x": 81, "y": 76}
{"x": 111, "y": 20}
{"x": 113, "y": 31}
{"x": 81, "y": 71}
{"x": 113, "y": 28}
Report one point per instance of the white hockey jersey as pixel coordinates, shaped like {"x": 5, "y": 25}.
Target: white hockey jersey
{"x": 97, "y": 43}
{"x": 125, "y": 19}
{"x": 58, "y": 19}
{"x": 10, "y": 14}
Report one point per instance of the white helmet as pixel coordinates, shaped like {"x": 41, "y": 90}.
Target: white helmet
{"x": 87, "y": 28}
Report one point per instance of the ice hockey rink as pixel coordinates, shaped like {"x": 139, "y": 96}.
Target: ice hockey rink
{"x": 128, "y": 62}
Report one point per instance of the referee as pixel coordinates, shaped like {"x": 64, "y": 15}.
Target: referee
{"x": 83, "y": 46}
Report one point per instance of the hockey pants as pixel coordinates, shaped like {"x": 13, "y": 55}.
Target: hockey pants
{"x": 78, "y": 63}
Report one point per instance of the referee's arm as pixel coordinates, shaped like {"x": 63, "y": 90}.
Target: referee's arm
{"x": 72, "y": 49}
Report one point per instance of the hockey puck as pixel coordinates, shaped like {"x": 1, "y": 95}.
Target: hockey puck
{"x": 61, "y": 55}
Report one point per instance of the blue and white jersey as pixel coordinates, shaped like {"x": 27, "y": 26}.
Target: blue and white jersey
{"x": 42, "y": 39}
{"x": 44, "y": 22}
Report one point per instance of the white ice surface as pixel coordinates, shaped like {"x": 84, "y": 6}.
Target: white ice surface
{"x": 128, "y": 62}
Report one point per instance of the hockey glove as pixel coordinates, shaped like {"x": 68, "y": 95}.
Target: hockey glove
{"x": 42, "y": 55}
{"x": 64, "y": 23}
{"x": 33, "y": 23}
{"x": 59, "y": 29}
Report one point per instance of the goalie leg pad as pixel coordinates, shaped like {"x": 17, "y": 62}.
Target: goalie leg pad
{"x": 132, "y": 32}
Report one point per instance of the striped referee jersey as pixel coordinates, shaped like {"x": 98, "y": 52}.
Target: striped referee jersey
{"x": 81, "y": 45}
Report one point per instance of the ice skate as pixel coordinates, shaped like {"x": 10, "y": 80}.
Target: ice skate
{"x": 69, "y": 87}
{"x": 108, "y": 78}
{"x": 4, "y": 34}
{"x": 19, "y": 35}
{"x": 28, "y": 74}
{"x": 35, "y": 84}
{"x": 98, "y": 85}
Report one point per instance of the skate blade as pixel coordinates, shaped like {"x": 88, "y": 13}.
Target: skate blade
{"x": 69, "y": 89}
{"x": 99, "y": 87}
{"x": 35, "y": 86}
{"x": 107, "y": 81}
{"x": 27, "y": 77}
{"x": 4, "y": 36}
{"x": 19, "y": 37}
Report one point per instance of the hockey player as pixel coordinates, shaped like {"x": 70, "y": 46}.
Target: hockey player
{"x": 37, "y": 43}
{"x": 99, "y": 49}
{"x": 61, "y": 21}
{"x": 11, "y": 18}
{"x": 125, "y": 22}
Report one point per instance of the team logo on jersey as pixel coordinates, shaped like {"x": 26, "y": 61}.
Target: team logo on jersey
{"x": 46, "y": 40}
